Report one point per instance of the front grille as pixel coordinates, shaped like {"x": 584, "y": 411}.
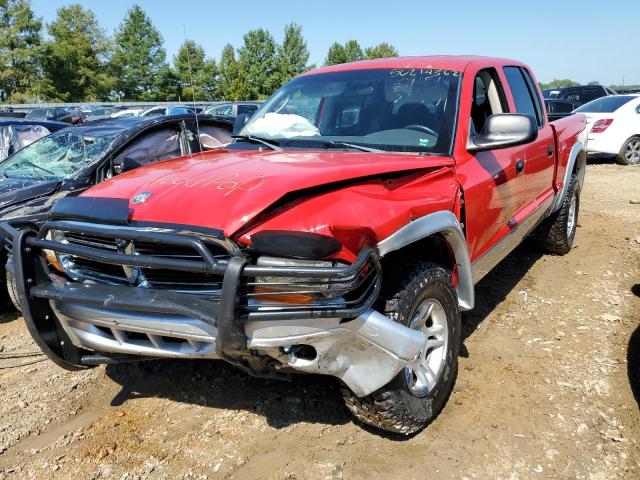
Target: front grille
{"x": 175, "y": 280}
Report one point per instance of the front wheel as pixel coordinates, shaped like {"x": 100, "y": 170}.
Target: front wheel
{"x": 630, "y": 152}
{"x": 12, "y": 291}
{"x": 424, "y": 300}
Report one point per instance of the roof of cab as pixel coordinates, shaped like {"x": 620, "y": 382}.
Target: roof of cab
{"x": 445, "y": 62}
{"x": 110, "y": 126}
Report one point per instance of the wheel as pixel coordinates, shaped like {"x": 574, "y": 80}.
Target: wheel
{"x": 555, "y": 235}
{"x": 11, "y": 286}
{"x": 424, "y": 300}
{"x": 630, "y": 152}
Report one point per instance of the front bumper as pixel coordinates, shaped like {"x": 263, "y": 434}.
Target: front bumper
{"x": 346, "y": 339}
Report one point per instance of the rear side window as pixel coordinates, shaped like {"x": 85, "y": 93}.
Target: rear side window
{"x": 524, "y": 94}
{"x": 160, "y": 144}
{"x": 606, "y": 104}
{"x": 248, "y": 109}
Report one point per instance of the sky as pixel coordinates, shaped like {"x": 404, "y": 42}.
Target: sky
{"x": 583, "y": 40}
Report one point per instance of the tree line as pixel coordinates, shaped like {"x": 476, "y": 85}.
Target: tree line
{"x": 76, "y": 61}
{"x": 566, "y": 82}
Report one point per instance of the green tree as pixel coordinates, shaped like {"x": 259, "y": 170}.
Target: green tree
{"x": 336, "y": 55}
{"x": 232, "y": 83}
{"x": 382, "y": 50}
{"x": 594, "y": 82}
{"x": 139, "y": 58}
{"x": 76, "y": 57}
{"x": 196, "y": 74}
{"x": 20, "y": 41}
{"x": 293, "y": 54}
{"x": 349, "y": 52}
{"x": 258, "y": 60}
{"x": 166, "y": 86}
{"x": 353, "y": 51}
{"x": 556, "y": 83}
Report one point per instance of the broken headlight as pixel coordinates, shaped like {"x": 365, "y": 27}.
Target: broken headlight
{"x": 300, "y": 290}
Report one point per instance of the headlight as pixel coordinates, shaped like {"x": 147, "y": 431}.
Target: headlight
{"x": 292, "y": 289}
{"x": 50, "y": 256}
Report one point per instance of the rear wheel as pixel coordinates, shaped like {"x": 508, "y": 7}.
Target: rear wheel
{"x": 424, "y": 300}
{"x": 630, "y": 152}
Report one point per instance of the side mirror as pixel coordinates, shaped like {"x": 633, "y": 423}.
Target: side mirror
{"x": 239, "y": 122}
{"x": 124, "y": 165}
{"x": 504, "y": 130}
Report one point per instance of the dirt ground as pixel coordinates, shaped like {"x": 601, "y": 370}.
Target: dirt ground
{"x": 549, "y": 387}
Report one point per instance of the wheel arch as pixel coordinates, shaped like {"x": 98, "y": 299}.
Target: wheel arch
{"x": 576, "y": 165}
{"x": 427, "y": 231}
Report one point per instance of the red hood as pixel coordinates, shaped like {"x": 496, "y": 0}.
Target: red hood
{"x": 226, "y": 189}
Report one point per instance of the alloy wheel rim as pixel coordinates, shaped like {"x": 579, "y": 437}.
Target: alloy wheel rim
{"x": 421, "y": 374}
{"x": 571, "y": 220}
{"x": 632, "y": 152}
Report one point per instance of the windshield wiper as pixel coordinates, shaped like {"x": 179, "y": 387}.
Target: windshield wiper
{"x": 362, "y": 148}
{"x": 272, "y": 144}
{"x": 38, "y": 167}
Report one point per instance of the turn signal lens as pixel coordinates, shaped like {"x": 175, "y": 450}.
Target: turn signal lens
{"x": 52, "y": 260}
{"x": 272, "y": 295}
{"x": 601, "y": 125}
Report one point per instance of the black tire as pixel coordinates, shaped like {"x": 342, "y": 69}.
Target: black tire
{"x": 11, "y": 287}
{"x": 554, "y": 235}
{"x": 394, "y": 407}
{"x": 624, "y": 157}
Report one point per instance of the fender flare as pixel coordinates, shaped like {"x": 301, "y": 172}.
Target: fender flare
{"x": 445, "y": 223}
{"x": 577, "y": 160}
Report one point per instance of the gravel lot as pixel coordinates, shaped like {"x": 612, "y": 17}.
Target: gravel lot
{"x": 549, "y": 387}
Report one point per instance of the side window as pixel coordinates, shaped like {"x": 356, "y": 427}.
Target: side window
{"x": 564, "y": 107}
{"x": 522, "y": 94}
{"x": 537, "y": 103}
{"x": 488, "y": 98}
{"x": 249, "y": 109}
{"x": 153, "y": 146}
{"x": 213, "y": 136}
{"x": 223, "y": 110}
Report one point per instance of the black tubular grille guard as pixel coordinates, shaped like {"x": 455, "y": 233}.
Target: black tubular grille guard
{"x": 362, "y": 277}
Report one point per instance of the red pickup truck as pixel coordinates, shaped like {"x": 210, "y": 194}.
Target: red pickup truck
{"x": 341, "y": 233}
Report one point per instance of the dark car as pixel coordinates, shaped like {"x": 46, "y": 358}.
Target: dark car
{"x": 74, "y": 159}
{"x": 17, "y": 133}
{"x": 579, "y": 94}
{"x": 557, "y": 109}
{"x": 57, "y": 114}
{"x": 233, "y": 109}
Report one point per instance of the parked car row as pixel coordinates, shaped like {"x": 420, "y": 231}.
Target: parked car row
{"x": 76, "y": 115}
{"x": 613, "y": 119}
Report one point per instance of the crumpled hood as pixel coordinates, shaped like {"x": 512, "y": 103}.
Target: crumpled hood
{"x": 225, "y": 189}
{"x": 17, "y": 190}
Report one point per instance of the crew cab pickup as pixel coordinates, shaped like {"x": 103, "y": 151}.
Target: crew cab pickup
{"x": 341, "y": 233}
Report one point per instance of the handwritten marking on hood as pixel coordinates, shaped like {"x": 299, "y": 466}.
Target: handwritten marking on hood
{"x": 228, "y": 183}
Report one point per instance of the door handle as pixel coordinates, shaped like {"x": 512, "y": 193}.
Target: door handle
{"x": 549, "y": 151}
{"x": 519, "y": 166}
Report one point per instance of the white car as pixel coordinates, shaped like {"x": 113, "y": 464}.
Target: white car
{"x": 131, "y": 112}
{"x": 613, "y": 124}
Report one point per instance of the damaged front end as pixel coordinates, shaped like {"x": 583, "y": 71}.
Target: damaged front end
{"x": 96, "y": 289}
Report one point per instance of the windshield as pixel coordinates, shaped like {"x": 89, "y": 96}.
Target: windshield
{"x": 406, "y": 110}
{"x": 57, "y": 156}
{"x": 605, "y": 104}
{"x": 39, "y": 112}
